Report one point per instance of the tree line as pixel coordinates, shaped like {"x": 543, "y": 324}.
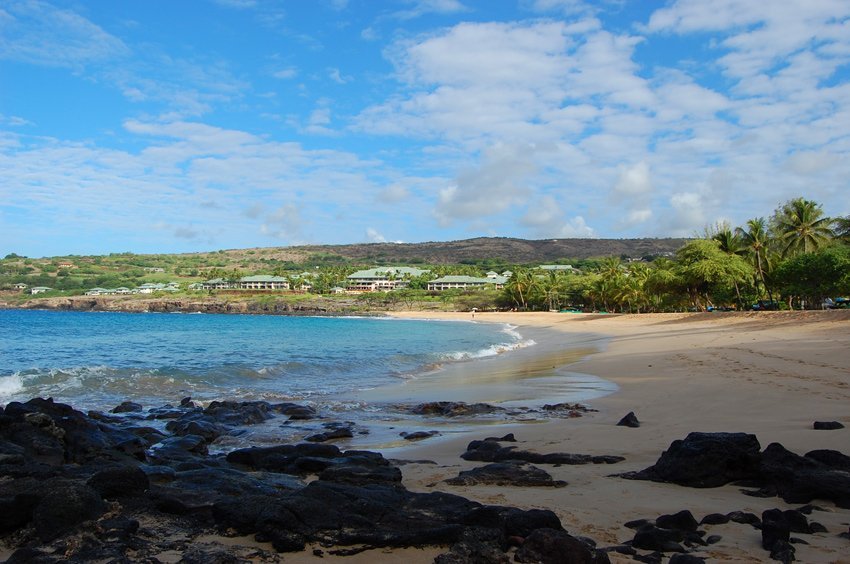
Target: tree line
{"x": 797, "y": 259}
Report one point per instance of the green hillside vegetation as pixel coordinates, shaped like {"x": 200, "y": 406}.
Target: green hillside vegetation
{"x": 796, "y": 258}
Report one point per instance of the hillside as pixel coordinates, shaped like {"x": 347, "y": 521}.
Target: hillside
{"x": 509, "y": 250}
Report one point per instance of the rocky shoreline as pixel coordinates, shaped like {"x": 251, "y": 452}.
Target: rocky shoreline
{"x": 117, "y": 487}
{"x": 205, "y": 304}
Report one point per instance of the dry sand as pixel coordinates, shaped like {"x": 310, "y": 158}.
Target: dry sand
{"x": 771, "y": 373}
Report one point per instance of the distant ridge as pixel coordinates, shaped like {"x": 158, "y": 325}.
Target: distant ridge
{"x": 511, "y": 250}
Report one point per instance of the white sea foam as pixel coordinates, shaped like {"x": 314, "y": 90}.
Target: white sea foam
{"x": 11, "y": 385}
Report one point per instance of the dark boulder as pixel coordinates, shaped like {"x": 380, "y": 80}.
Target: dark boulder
{"x": 681, "y": 521}
{"x": 341, "y": 433}
{"x": 478, "y": 546}
{"x": 557, "y": 547}
{"x": 774, "y": 528}
{"x": 492, "y": 451}
{"x": 506, "y": 474}
{"x": 197, "y": 424}
{"x": 714, "y": 519}
{"x": 119, "y": 481}
{"x": 64, "y": 504}
{"x": 630, "y": 420}
{"x": 455, "y": 408}
{"x": 830, "y": 458}
{"x": 705, "y": 460}
{"x": 744, "y": 518}
{"x": 801, "y": 479}
{"x": 176, "y": 449}
{"x": 827, "y": 425}
{"x": 233, "y": 413}
{"x": 651, "y": 537}
{"x": 127, "y": 407}
{"x": 294, "y": 411}
{"x": 418, "y": 435}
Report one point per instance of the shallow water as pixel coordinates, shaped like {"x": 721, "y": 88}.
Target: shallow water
{"x": 364, "y": 370}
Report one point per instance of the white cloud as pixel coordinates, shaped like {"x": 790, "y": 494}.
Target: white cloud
{"x": 238, "y": 4}
{"x": 14, "y": 121}
{"x": 283, "y": 223}
{"x": 686, "y": 214}
{"x": 423, "y": 7}
{"x": 393, "y": 194}
{"x": 546, "y": 219}
{"x": 285, "y": 74}
{"x": 336, "y": 76}
{"x": 374, "y": 237}
{"x": 634, "y": 181}
{"x": 39, "y": 33}
{"x": 498, "y": 183}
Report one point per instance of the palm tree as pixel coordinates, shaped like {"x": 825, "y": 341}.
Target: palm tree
{"x": 731, "y": 244}
{"x": 756, "y": 240}
{"x": 519, "y": 286}
{"x": 841, "y": 228}
{"x": 801, "y": 227}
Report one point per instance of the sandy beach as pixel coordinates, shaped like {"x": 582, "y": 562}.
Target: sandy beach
{"x": 771, "y": 374}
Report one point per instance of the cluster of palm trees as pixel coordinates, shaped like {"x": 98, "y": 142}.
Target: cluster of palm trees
{"x": 797, "y": 255}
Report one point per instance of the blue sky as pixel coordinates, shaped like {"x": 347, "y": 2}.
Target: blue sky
{"x": 162, "y": 126}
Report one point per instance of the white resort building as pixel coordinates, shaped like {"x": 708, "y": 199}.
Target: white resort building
{"x": 464, "y": 282}
{"x": 263, "y": 282}
{"x": 382, "y": 279}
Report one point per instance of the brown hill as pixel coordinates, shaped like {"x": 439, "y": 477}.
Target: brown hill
{"x": 516, "y": 251}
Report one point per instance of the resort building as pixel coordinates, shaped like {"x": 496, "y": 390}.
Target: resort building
{"x": 559, "y": 268}
{"x": 465, "y": 282}
{"x": 98, "y": 292}
{"x": 151, "y": 287}
{"x": 216, "y": 284}
{"x": 263, "y": 282}
{"x": 382, "y": 279}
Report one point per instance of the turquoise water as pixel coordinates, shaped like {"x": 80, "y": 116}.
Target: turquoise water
{"x": 97, "y": 360}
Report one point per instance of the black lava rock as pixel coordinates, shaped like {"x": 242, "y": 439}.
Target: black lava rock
{"x": 630, "y": 420}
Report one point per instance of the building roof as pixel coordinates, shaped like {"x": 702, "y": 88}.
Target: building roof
{"x": 564, "y": 267}
{"x": 454, "y": 279}
{"x": 262, "y": 278}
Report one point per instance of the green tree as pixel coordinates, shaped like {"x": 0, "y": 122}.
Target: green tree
{"x": 704, "y": 267}
{"x": 800, "y": 227}
{"x": 519, "y": 287}
{"x": 808, "y": 278}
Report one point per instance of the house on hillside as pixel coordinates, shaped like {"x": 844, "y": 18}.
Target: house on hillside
{"x": 66, "y": 264}
{"x": 20, "y": 286}
{"x": 216, "y": 284}
{"x": 466, "y": 282}
{"x": 39, "y": 290}
{"x": 382, "y": 279}
{"x": 151, "y": 287}
{"x": 263, "y": 282}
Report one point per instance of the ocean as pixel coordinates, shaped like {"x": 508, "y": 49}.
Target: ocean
{"x": 349, "y": 368}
